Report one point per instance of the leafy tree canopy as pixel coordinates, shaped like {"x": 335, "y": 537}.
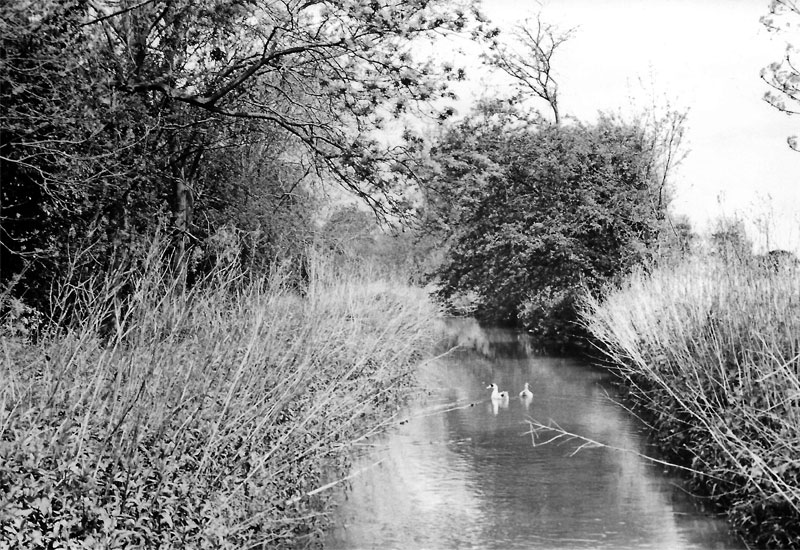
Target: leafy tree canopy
{"x": 535, "y": 211}
{"x": 326, "y": 73}
{"x": 123, "y": 114}
{"x": 783, "y": 76}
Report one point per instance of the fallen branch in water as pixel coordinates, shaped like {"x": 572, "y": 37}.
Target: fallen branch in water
{"x": 587, "y": 443}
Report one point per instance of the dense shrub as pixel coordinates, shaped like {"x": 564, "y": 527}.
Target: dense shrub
{"x": 529, "y": 213}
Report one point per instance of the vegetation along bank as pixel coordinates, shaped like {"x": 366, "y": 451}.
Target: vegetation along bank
{"x": 191, "y": 335}
{"x": 184, "y": 351}
{"x": 710, "y": 349}
{"x": 204, "y": 418}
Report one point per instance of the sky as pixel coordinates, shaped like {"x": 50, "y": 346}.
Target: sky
{"x": 700, "y": 56}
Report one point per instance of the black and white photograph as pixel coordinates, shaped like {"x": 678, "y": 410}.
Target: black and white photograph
{"x": 399, "y": 274}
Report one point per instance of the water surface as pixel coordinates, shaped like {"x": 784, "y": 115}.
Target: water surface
{"x": 465, "y": 472}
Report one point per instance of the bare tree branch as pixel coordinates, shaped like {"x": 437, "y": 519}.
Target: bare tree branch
{"x": 531, "y": 67}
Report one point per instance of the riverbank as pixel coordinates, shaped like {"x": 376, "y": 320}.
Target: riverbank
{"x": 202, "y": 418}
{"x": 711, "y": 352}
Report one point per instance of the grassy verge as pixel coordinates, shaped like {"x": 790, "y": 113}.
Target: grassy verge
{"x": 712, "y": 352}
{"x": 198, "y": 419}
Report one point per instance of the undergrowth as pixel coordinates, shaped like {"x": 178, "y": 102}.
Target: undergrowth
{"x": 147, "y": 415}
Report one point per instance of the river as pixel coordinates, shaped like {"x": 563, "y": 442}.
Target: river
{"x": 463, "y": 471}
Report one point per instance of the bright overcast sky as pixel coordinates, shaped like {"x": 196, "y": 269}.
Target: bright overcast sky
{"x": 703, "y": 56}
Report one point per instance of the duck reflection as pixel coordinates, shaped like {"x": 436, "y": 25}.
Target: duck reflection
{"x": 498, "y": 404}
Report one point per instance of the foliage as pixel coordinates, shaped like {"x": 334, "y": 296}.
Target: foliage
{"x": 355, "y": 235}
{"x": 729, "y": 240}
{"x": 350, "y": 231}
{"x": 323, "y": 74}
{"x": 206, "y": 418}
{"x": 88, "y": 166}
{"x": 212, "y": 116}
{"x": 709, "y": 350}
{"x": 783, "y": 77}
{"x": 533, "y": 212}
{"x": 677, "y": 239}
{"x": 74, "y": 151}
{"x": 256, "y": 207}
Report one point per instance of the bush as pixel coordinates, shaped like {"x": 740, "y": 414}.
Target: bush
{"x": 528, "y": 214}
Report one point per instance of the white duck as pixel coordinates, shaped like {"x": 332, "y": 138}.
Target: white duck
{"x": 497, "y": 394}
{"x": 526, "y": 393}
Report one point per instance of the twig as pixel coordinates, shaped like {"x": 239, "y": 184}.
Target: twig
{"x": 588, "y": 443}
{"x": 334, "y": 483}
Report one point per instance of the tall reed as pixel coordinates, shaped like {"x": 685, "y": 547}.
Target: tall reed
{"x": 712, "y": 350}
{"x": 202, "y": 418}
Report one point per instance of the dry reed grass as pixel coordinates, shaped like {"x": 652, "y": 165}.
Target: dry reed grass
{"x": 199, "y": 418}
{"x": 712, "y": 351}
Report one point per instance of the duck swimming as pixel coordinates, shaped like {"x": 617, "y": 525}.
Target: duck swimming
{"x": 526, "y": 393}
{"x": 497, "y": 394}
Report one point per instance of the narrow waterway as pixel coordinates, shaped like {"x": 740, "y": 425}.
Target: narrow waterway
{"x": 464, "y": 472}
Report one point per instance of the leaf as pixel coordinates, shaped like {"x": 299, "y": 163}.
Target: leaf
{"x": 43, "y": 505}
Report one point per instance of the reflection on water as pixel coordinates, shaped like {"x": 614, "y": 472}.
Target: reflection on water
{"x": 463, "y": 472}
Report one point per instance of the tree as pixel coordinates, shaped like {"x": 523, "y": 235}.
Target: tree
{"x": 783, "y": 77}
{"x": 73, "y": 151}
{"x": 262, "y": 200}
{"x": 676, "y": 238}
{"x": 729, "y": 240}
{"x": 530, "y": 61}
{"x": 327, "y": 74}
{"x": 350, "y": 232}
{"x": 123, "y": 114}
{"x": 531, "y": 214}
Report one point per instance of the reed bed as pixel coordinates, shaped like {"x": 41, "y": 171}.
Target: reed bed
{"x": 146, "y": 415}
{"x": 711, "y": 351}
